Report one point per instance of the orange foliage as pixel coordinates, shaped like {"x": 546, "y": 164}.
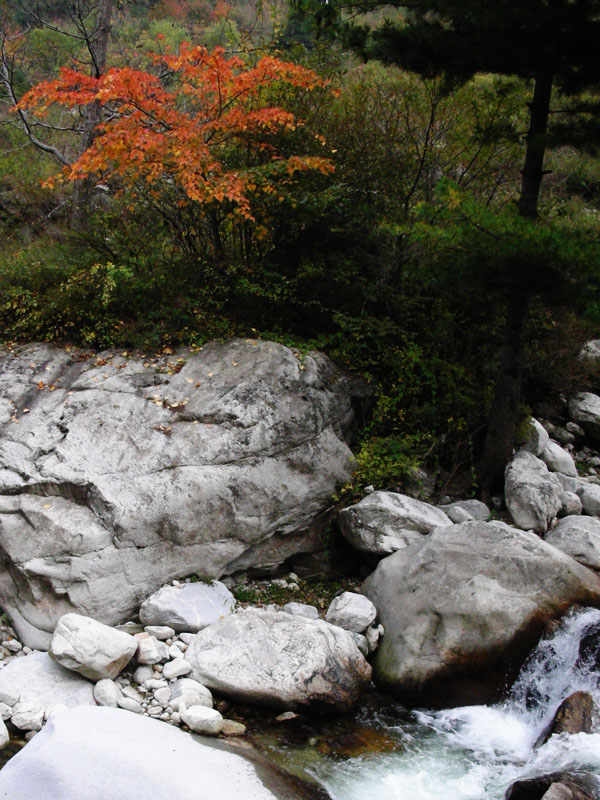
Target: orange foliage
{"x": 182, "y": 133}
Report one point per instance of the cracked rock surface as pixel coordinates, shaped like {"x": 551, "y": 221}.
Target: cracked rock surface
{"x": 118, "y": 474}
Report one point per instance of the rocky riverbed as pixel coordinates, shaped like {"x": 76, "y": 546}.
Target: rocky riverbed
{"x": 124, "y": 475}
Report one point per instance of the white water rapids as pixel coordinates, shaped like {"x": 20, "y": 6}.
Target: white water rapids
{"x": 477, "y": 752}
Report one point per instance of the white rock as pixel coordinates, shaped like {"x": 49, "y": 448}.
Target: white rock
{"x": 5, "y": 711}
{"x": 351, "y": 611}
{"x": 201, "y": 719}
{"x": 579, "y": 537}
{"x": 143, "y": 673}
{"x": 130, "y": 705}
{"x": 132, "y": 693}
{"x": 186, "y": 637}
{"x": 585, "y": 410}
{"x": 155, "y": 683}
{"x": 90, "y": 648}
{"x": 36, "y": 678}
{"x": 558, "y": 460}
{"x": 570, "y": 504}
{"x": 28, "y": 716}
{"x": 533, "y": 495}
{"x": 384, "y": 522}
{"x": 373, "y": 634}
{"x": 361, "y": 643}
{"x": 301, "y": 610}
{"x": 4, "y": 735}
{"x": 176, "y": 668}
{"x": 189, "y": 607}
{"x": 107, "y": 754}
{"x": 160, "y": 632}
{"x": 188, "y": 692}
{"x": 174, "y": 651}
{"x": 13, "y": 645}
{"x": 589, "y": 495}
{"x": 537, "y": 439}
{"x": 107, "y": 693}
{"x": 151, "y": 650}
{"x": 163, "y": 696}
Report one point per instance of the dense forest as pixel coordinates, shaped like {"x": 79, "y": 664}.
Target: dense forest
{"x": 413, "y": 189}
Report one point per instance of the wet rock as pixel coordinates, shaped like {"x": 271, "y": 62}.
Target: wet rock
{"x": 562, "y": 785}
{"x": 275, "y": 659}
{"x": 574, "y": 715}
{"x": 463, "y": 608}
{"x": 384, "y": 522}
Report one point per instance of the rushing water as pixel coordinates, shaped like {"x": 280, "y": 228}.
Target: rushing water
{"x": 476, "y": 752}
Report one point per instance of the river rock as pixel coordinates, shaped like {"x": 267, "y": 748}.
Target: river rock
{"x": 351, "y": 611}
{"x": 585, "y": 410}
{"x": 589, "y": 494}
{"x": 537, "y": 437}
{"x": 558, "y": 460}
{"x": 383, "y": 522}
{"x": 463, "y": 607}
{"x": 301, "y": 610}
{"x": 465, "y": 510}
{"x": 279, "y": 660}
{"x": 187, "y": 692}
{"x": 128, "y": 472}
{"x": 189, "y": 606}
{"x": 555, "y": 786}
{"x": 90, "y": 648}
{"x": 574, "y": 715}
{"x": 532, "y": 494}
{"x": 39, "y": 680}
{"x": 107, "y": 693}
{"x": 106, "y": 753}
{"x": 201, "y": 719}
{"x": 579, "y": 537}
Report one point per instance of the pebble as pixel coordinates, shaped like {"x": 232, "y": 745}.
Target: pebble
{"x": 186, "y": 637}
{"x": 12, "y": 645}
{"x": 143, "y": 674}
{"x": 130, "y": 705}
{"x": 132, "y": 693}
{"x": 162, "y": 696}
{"x": 107, "y": 693}
{"x": 27, "y": 717}
{"x": 160, "y": 632}
{"x": 233, "y": 728}
{"x": 155, "y": 683}
{"x": 202, "y": 719}
{"x": 176, "y": 668}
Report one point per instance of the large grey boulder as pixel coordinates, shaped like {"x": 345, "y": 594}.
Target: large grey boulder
{"x": 579, "y": 537}
{"x": 532, "y": 494}
{"x": 383, "y": 522}
{"x": 118, "y": 475}
{"x": 279, "y": 660}
{"x": 90, "y": 648}
{"x": 463, "y": 607}
{"x": 584, "y": 409}
{"x": 40, "y": 681}
{"x": 558, "y": 460}
{"x": 189, "y": 606}
{"x": 110, "y": 754}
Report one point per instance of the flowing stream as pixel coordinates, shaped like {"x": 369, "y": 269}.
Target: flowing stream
{"x": 476, "y": 752}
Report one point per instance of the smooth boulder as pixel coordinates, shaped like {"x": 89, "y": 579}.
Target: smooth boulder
{"x": 275, "y": 659}
{"x": 558, "y": 460}
{"x": 579, "y": 537}
{"x": 110, "y": 754}
{"x": 125, "y": 472}
{"x": 383, "y": 522}
{"x": 38, "y": 680}
{"x": 532, "y": 494}
{"x": 189, "y": 606}
{"x": 463, "y": 608}
{"x": 90, "y": 648}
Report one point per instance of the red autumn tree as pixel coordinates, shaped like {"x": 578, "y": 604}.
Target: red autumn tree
{"x": 181, "y": 129}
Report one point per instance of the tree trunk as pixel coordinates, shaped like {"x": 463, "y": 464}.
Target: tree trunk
{"x": 98, "y": 47}
{"x": 507, "y": 398}
{"x": 504, "y": 412}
